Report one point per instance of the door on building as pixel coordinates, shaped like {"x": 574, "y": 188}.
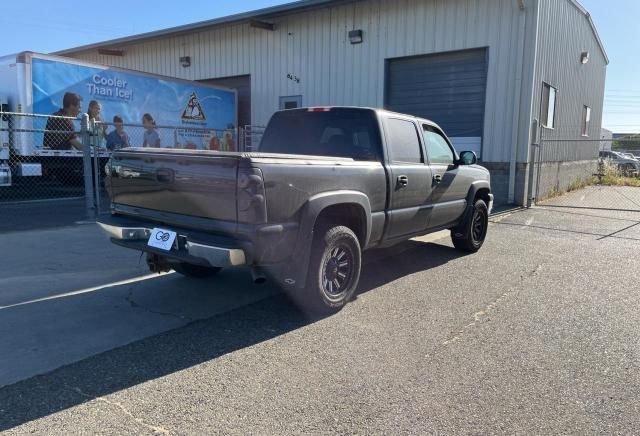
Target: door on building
{"x": 242, "y": 84}
{"x": 447, "y": 88}
{"x": 290, "y": 102}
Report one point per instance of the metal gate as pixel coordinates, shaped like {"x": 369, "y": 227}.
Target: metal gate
{"x": 564, "y": 165}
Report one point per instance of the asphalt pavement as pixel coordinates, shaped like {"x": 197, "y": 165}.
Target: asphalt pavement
{"x": 536, "y": 334}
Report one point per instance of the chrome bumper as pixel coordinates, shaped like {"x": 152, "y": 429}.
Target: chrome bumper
{"x": 214, "y": 256}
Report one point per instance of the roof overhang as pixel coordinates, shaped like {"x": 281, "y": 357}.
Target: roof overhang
{"x": 259, "y": 14}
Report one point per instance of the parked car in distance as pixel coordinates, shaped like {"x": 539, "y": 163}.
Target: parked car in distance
{"x": 326, "y": 184}
{"x": 627, "y": 166}
{"x": 629, "y": 156}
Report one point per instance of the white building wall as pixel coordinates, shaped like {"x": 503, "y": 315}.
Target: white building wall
{"x": 313, "y": 46}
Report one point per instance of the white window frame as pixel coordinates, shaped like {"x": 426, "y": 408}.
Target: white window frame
{"x": 297, "y": 99}
{"x": 551, "y": 109}
{"x": 586, "y": 120}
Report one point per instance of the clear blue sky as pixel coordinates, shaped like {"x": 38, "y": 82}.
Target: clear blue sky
{"x": 45, "y": 26}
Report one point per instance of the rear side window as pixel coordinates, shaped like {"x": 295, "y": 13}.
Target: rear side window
{"x": 350, "y": 133}
{"x": 404, "y": 144}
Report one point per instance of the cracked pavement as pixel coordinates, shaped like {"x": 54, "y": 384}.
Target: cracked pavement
{"x": 537, "y": 334}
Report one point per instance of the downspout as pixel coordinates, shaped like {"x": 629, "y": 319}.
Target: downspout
{"x": 516, "y": 113}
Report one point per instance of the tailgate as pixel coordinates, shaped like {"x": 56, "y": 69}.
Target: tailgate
{"x": 201, "y": 184}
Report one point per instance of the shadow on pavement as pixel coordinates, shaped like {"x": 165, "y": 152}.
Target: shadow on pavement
{"x": 195, "y": 343}
{"x": 16, "y": 217}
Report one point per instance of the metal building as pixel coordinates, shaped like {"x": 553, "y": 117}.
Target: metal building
{"x": 485, "y": 70}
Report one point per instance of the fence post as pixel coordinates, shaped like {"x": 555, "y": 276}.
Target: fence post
{"x": 96, "y": 164}
{"x": 539, "y": 174}
{"x": 87, "y": 167}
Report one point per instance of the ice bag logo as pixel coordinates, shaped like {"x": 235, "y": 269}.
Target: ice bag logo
{"x": 193, "y": 111}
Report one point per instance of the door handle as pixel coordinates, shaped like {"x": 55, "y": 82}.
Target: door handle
{"x": 437, "y": 179}
{"x": 403, "y": 181}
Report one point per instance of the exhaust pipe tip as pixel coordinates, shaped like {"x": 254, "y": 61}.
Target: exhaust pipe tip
{"x": 258, "y": 276}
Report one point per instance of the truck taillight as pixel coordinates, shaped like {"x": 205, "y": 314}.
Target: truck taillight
{"x": 252, "y": 204}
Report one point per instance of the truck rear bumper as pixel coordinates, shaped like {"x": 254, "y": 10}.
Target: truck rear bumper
{"x": 189, "y": 249}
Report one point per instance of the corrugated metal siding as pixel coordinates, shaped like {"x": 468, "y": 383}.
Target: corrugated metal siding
{"x": 313, "y": 45}
{"x": 564, "y": 33}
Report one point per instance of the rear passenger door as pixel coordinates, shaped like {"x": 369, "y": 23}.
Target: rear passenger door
{"x": 410, "y": 184}
{"x": 450, "y": 184}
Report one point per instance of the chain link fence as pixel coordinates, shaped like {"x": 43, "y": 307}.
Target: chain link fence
{"x": 250, "y": 137}
{"x": 565, "y": 165}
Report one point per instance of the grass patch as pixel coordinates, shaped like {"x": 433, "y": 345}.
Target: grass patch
{"x": 610, "y": 175}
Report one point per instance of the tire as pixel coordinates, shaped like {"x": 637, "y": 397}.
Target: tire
{"x": 470, "y": 235}
{"x": 196, "y": 271}
{"x": 334, "y": 270}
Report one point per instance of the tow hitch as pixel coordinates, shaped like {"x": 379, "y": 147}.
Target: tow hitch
{"x": 157, "y": 264}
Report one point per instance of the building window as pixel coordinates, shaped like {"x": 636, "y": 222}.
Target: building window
{"x": 548, "y": 109}
{"x": 586, "y": 120}
{"x": 291, "y": 102}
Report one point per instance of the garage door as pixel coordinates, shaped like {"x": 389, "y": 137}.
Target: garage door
{"x": 242, "y": 84}
{"x": 448, "y": 88}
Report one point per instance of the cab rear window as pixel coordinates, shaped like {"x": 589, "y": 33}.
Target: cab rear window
{"x": 347, "y": 133}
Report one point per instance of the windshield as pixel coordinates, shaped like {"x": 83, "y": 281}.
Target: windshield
{"x": 352, "y": 133}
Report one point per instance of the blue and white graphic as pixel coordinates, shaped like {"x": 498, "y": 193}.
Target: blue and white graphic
{"x": 130, "y": 95}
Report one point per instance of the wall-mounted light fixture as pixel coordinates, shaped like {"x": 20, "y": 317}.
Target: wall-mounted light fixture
{"x": 257, "y": 24}
{"x": 110, "y": 52}
{"x": 185, "y": 61}
{"x": 356, "y": 36}
{"x": 584, "y": 57}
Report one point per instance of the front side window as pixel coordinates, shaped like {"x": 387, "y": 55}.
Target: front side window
{"x": 438, "y": 149}
{"x": 404, "y": 144}
{"x": 548, "y": 109}
{"x": 586, "y": 120}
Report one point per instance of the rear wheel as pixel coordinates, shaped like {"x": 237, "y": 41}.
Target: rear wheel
{"x": 334, "y": 270}
{"x": 470, "y": 235}
{"x": 197, "y": 271}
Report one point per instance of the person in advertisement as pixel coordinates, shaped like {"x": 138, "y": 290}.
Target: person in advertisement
{"x": 151, "y": 137}
{"x": 60, "y": 133}
{"x": 228, "y": 144}
{"x": 117, "y": 138}
{"x": 94, "y": 112}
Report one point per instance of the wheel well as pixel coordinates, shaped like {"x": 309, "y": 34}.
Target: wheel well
{"x": 349, "y": 215}
{"x": 482, "y": 194}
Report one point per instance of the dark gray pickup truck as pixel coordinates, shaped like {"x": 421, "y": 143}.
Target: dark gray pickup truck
{"x": 325, "y": 185}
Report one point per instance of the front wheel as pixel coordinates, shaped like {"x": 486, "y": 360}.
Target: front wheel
{"x": 334, "y": 270}
{"x": 197, "y": 271}
{"x": 470, "y": 235}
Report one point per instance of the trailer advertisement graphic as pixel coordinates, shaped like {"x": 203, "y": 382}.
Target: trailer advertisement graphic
{"x": 129, "y": 95}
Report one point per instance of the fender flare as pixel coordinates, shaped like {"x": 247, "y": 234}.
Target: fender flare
{"x": 475, "y": 188}
{"x": 309, "y": 215}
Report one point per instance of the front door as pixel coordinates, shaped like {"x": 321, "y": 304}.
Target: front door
{"x": 410, "y": 184}
{"x": 449, "y": 192}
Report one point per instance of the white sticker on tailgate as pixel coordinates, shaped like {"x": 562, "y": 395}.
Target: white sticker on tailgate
{"x": 162, "y": 239}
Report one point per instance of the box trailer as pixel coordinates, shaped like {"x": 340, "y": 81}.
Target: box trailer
{"x": 196, "y": 114}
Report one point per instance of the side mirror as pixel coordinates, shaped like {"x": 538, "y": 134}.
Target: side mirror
{"x": 468, "y": 158}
